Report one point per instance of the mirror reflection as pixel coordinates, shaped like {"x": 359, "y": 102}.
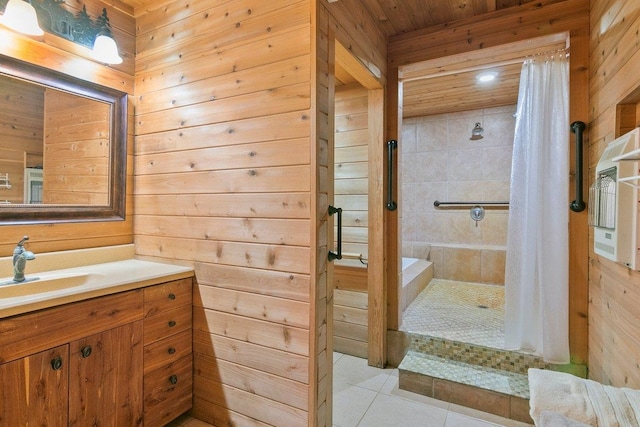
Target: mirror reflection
{"x": 54, "y": 146}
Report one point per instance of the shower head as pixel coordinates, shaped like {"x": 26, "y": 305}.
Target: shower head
{"x": 476, "y": 132}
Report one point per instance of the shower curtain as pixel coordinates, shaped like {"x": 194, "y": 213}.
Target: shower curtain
{"x": 537, "y": 265}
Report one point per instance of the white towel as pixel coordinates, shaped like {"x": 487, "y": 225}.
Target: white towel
{"x": 582, "y": 400}
{"x": 553, "y": 419}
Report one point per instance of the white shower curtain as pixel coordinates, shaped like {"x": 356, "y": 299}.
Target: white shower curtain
{"x": 537, "y": 266}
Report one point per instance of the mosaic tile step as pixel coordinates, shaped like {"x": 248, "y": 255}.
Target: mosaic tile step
{"x": 489, "y": 390}
{"x": 473, "y": 354}
{"x": 508, "y": 383}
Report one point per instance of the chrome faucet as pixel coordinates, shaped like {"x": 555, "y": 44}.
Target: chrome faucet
{"x": 20, "y": 258}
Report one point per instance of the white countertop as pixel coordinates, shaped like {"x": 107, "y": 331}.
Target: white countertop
{"x": 62, "y": 286}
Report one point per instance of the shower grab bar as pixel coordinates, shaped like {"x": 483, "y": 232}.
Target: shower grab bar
{"x": 439, "y": 204}
{"x": 391, "y": 145}
{"x": 359, "y": 257}
{"x": 578, "y": 204}
{"x": 336, "y": 255}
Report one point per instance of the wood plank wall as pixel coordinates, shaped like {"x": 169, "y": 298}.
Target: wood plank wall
{"x": 224, "y": 182}
{"x": 614, "y": 290}
{"x": 76, "y": 150}
{"x": 21, "y": 125}
{"x": 351, "y": 25}
{"x": 350, "y": 313}
{"x": 62, "y": 55}
{"x": 21, "y": 115}
{"x": 351, "y": 169}
{"x": 12, "y": 163}
{"x": 514, "y": 24}
{"x": 321, "y": 297}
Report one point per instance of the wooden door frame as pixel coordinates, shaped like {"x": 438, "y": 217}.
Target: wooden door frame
{"x": 577, "y": 40}
{"x": 376, "y": 269}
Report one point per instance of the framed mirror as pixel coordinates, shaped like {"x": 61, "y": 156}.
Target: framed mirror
{"x": 63, "y": 147}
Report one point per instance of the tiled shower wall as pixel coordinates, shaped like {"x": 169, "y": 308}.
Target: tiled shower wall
{"x": 439, "y": 162}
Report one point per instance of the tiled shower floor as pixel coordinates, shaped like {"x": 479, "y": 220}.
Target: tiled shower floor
{"x": 459, "y": 311}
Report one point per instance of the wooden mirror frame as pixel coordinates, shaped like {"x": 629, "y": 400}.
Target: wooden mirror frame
{"x": 115, "y": 210}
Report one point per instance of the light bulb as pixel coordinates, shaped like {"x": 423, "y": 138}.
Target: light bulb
{"x": 20, "y": 16}
{"x": 487, "y": 76}
{"x": 105, "y": 50}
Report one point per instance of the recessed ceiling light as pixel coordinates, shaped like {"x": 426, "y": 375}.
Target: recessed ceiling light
{"x": 486, "y": 76}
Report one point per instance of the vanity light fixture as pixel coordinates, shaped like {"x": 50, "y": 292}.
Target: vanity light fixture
{"x": 486, "y": 76}
{"x": 105, "y": 49}
{"x": 20, "y": 16}
{"x": 23, "y": 16}
{"x": 476, "y": 132}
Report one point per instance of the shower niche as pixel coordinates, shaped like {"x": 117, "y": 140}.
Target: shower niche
{"x": 613, "y": 201}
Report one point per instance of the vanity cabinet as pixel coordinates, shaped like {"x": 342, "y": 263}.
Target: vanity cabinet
{"x": 31, "y": 390}
{"x": 105, "y": 361}
{"x": 105, "y": 373}
{"x": 168, "y": 363}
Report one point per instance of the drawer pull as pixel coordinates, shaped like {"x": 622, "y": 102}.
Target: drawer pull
{"x": 56, "y": 363}
{"x": 172, "y": 296}
{"x": 173, "y": 379}
{"x": 172, "y": 323}
{"x": 171, "y": 350}
{"x": 86, "y": 351}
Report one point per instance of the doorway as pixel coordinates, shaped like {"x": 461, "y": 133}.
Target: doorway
{"x": 359, "y": 314}
{"x": 458, "y": 171}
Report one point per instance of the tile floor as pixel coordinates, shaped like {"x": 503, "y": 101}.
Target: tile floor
{"x": 459, "y": 311}
{"x": 364, "y": 396}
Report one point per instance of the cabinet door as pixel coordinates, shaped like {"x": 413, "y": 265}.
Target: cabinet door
{"x": 106, "y": 378}
{"x": 34, "y": 389}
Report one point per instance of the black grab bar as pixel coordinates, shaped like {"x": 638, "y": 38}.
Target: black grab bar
{"x": 439, "y": 204}
{"x": 578, "y": 204}
{"x": 333, "y": 255}
{"x": 391, "y": 145}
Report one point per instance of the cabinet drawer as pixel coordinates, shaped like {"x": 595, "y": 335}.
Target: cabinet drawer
{"x": 167, "y": 351}
{"x": 168, "y": 392}
{"x": 30, "y": 333}
{"x": 166, "y": 296}
{"x": 166, "y": 323}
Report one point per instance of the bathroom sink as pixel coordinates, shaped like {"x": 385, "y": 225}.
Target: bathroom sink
{"x": 45, "y": 282}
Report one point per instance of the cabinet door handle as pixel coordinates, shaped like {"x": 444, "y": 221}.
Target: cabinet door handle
{"x": 85, "y": 351}
{"x": 171, "y": 350}
{"x": 172, "y": 296}
{"x": 172, "y": 323}
{"x": 173, "y": 379}
{"x": 56, "y": 363}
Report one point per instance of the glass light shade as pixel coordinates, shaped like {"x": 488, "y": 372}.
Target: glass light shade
{"x": 105, "y": 50}
{"x": 21, "y": 16}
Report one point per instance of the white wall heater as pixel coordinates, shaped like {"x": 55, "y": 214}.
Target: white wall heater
{"x": 613, "y": 201}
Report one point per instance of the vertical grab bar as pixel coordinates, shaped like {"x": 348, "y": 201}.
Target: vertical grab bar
{"x": 578, "y": 204}
{"x": 391, "y": 145}
{"x": 333, "y": 255}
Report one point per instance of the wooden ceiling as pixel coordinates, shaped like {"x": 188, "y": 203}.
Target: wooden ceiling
{"x": 443, "y": 91}
{"x": 402, "y": 16}
{"x": 449, "y": 84}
